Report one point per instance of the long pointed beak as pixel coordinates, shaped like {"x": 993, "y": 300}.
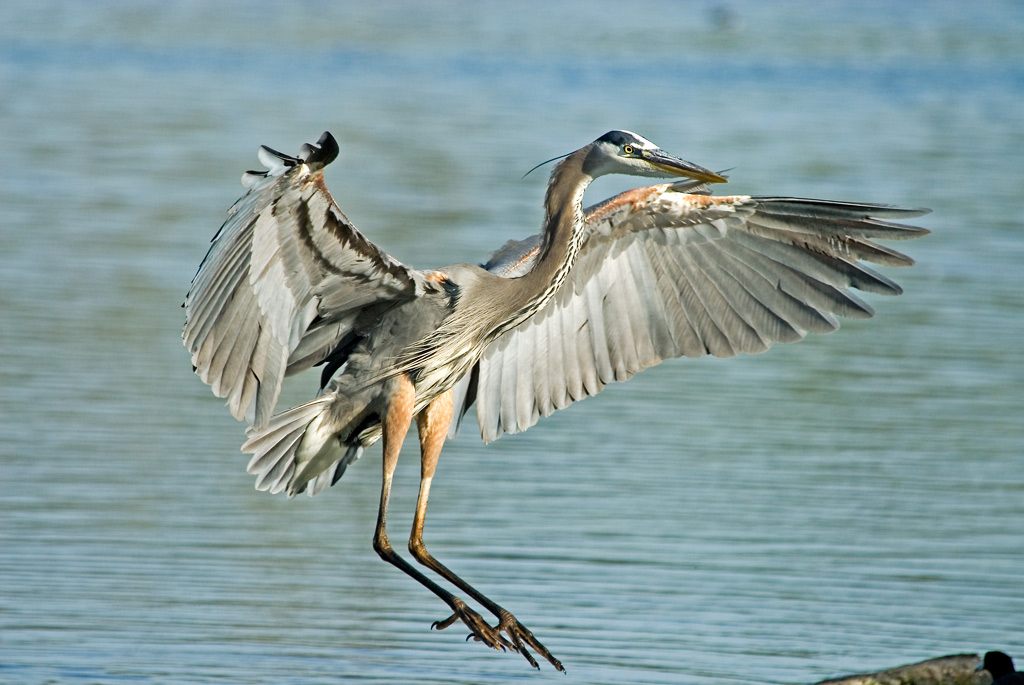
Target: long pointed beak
{"x": 673, "y": 166}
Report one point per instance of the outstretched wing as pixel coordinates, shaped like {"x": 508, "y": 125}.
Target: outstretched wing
{"x": 283, "y": 282}
{"x": 665, "y": 274}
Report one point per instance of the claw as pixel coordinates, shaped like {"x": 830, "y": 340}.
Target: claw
{"x": 481, "y": 631}
{"x": 519, "y": 636}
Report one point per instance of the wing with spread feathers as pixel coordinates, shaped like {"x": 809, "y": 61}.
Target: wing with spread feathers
{"x": 664, "y": 274}
{"x": 283, "y": 283}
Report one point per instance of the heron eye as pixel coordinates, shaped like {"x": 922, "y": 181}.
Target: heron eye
{"x": 628, "y": 149}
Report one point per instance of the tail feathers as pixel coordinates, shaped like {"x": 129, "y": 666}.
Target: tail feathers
{"x": 333, "y": 474}
{"x": 297, "y": 447}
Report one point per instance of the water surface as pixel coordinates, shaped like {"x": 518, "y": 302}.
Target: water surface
{"x": 851, "y": 502}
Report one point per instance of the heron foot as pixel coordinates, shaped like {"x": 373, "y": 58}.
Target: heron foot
{"x": 480, "y": 630}
{"x": 519, "y": 636}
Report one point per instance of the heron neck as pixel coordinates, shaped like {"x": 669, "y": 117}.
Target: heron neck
{"x": 563, "y": 229}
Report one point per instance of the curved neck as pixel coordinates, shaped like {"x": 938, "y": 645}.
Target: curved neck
{"x": 484, "y": 313}
{"x": 563, "y": 231}
{"x": 507, "y": 302}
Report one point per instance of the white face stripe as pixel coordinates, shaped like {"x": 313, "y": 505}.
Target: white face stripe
{"x": 643, "y": 142}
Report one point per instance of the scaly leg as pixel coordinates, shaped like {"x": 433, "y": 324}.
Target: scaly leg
{"x": 395, "y": 422}
{"x": 433, "y": 424}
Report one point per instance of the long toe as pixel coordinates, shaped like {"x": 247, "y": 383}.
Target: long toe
{"x": 441, "y": 625}
{"x": 521, "y": 636}
{"x": 480, "y": 630}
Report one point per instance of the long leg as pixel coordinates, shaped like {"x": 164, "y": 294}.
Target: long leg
{"x": 395, "y": 422}
{"x": 433, "y": 424}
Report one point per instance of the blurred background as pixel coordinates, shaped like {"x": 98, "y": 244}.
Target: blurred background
{"x": 851, "y": 502}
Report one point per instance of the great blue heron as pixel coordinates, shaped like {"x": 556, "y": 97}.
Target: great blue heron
{"x": 651, "y": 274}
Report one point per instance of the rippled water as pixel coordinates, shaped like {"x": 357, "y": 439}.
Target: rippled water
{"x": 851, "y": 502}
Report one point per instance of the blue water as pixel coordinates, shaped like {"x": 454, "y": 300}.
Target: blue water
{"x": 851, "y": 502}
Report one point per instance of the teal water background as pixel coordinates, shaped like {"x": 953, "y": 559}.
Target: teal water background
{"x": 850, "y": 502}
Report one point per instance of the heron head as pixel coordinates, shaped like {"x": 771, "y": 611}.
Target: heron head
{"x": 623, "y": 152}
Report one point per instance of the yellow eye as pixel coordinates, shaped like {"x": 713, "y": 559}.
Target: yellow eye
{"x": 628, "y": 149}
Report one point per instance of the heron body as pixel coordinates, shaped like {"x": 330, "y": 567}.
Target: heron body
{"x": 600, "y": 294}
